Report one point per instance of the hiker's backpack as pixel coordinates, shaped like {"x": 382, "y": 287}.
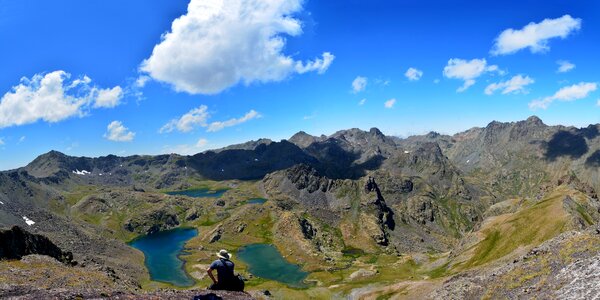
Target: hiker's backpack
{"x": 238, "y": 283}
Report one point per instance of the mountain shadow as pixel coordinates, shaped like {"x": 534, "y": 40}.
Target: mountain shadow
{"x": 589, "y": 132}
{"x": 336, "y": 162}
{"x": 565, "y": 143}
{"x": 593, "y": 161}
{"x": 249, "y": 164}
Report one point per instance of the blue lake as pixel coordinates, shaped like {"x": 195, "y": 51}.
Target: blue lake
{"x": 200, "y": 193}
{"x": 256, "y": 201}
{"x": 265, "y": 261}
{"x": 161, "y": 251}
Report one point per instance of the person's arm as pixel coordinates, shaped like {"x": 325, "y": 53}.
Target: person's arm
{"x": 210, "y": 274}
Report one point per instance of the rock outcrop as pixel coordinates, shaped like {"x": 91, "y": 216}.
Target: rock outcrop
{"x": 16, "y": 243}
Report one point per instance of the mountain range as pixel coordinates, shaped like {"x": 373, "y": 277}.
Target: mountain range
{"x": 367, "y": 214}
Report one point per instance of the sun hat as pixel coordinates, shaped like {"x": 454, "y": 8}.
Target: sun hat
{"x": 223, "y": 254}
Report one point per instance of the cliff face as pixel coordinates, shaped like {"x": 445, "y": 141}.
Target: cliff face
{"x": 16, "y": 243}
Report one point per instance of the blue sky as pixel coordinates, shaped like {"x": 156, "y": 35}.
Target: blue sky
{"x": 98, "y": 77}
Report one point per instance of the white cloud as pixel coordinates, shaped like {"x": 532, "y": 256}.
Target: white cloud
{"x": 362, "y": 101}
{"x": 220, "y": 43}
{"x": 186, "y": 149}
{"x": 598, "y": 102}
{"x": 569, "y": 93}
{"x": 216, "y": 126}
{"x": 320, "y": 65}
{"x": 390, "y": 103}
{"x": 115, "y": 131}
{"x": 382, "y": 82}
{"x": 436, "y": 81}
{"x": 21, "y": 139}
{"x": 141, "y": 81}
{"x": 308, "y": 117}
{"x": 467, "y": 71}
{"x": 413, "y": 74}
{"x": 186, "y": 123}
{"x": 1, "y": 141}
{"x": 108, "y": 97}
{"x": 564, "y": 66}
{"x": 515, "y": 85}
{"x": 359, "y": 84}
{"x": 52, "y": 98}
{"x": 535, "y": 36}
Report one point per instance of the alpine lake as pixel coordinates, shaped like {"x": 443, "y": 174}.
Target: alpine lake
{"x": 162, "y": 249}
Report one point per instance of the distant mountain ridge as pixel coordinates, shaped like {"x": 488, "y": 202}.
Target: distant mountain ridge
{"x": 349, "y": 153}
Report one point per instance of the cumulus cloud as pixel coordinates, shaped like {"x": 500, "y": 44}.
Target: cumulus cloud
{"x": 564, "y": 66}
{"x": 535, "y": 36}
{"x": 186, "y": 123}
{"x": 217, "y": 126}
{"x": 413, "y": 74}
{"x": 53, "y": 97}
{"x": 515, "y": 85}
{"x": 186, "y": 149}
{"x": 359, "y": 84}
{"x": 198, "y": 117}
{"x": 108, "y": 97}
{"x": 390, "y": 103}
{"x": 220, "y": 43}
{"x": 569, "y": 93}
{"x": 115, "y": 131}
{"x": 467, "y": 71}
{"x": 362, "y": 101}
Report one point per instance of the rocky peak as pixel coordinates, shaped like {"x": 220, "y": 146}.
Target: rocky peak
{"x": 534, "y": 120}
{"x": 250, "y": 145}
{"x": 48, "y": 164}
{"x": 376, "y": 132}
{"x": 306, "y": 177}
{"x": 432, "y": 135}
{"x": 302, "y": 139}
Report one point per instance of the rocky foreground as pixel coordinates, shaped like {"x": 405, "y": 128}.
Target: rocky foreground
{"x": 27, "y": 293}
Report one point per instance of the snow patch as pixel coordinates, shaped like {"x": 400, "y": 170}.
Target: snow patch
{"x": 28, "y": 221}
{"x": 1, "y": 202}
{"x": 468, "y": 160}
{"x": 82, "y": 172}
{"x": 406, "y": 152}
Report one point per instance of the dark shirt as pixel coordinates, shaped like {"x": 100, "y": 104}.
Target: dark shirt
{"x": 224, "y": 270}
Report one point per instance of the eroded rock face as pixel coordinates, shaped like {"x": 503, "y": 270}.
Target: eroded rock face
{"x": 307, "y": 229}
{"x": 16, "y": 243}
{"x": 153, "y": 222}
{"x": 305, "y": 177}
{"x": 422, "y": 209}
{"x": 385, "y": 215}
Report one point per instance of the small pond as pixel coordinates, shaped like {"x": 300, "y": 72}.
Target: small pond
{"x": 161, "y": 251}
{"x": 265, "y": 261}
{"x": 256, "y": 201}
{"x": 200, "y": 193}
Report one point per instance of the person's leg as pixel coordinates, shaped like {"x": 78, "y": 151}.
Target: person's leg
{"x": 215, "y": 286}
